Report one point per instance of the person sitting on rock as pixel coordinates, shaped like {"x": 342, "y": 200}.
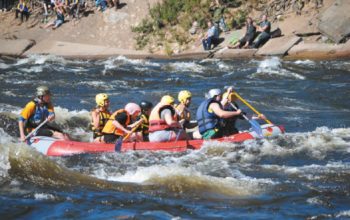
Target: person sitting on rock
{"x": 263, "y": 29}
{"x": 60, "y": 18}
{"x": 101, "y": 5}
{"x": 211, "y": 36}
{"x": 23, "y": 9}
{"x": 248, "y": 38}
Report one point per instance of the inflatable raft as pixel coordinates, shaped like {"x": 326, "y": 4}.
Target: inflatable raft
{"x": 53, "y": 147}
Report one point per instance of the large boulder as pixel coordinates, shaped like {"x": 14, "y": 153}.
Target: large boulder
{"x": 15, "y": 48}
{"x": 278, "y": 46}
{"x": 334, "y": 22}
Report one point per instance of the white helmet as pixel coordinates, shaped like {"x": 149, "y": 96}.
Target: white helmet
{"x": 131, "y": 108}
{"x": 213, "y": 92}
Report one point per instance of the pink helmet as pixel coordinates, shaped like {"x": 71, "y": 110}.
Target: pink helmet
{"x": 131, "y": 108}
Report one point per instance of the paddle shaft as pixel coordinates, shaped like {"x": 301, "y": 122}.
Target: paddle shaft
{"x": 251, "y": 107}
{"x": 132, "y": 131}
{"x": 36, "y": 129}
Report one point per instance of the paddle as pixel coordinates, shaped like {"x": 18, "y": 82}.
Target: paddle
{"x": 255, "y": 125}
{"x": 33, "y": 133}
{"x": 251, "y": 107}
{"x": 119, "y": 142}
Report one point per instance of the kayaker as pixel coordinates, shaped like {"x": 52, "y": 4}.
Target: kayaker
{"x": 210, "y": 114}
{"x": 163, "y": 123}
{"x": 36, "y": 112}
{"x": 146, "y": 108}
{"x": 100, "y": 115}
{"x": 119, "y": 124}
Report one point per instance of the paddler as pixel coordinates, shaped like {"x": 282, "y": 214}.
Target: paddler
{"x": 146, "y": 108}
{"x": 35, "y": 114}
{"x": 184, "y": 114}
{"x": 210, "y": 114}
{"x": 100, "y": 115}
{"x": 229, "y": 124}
{"x": 163, "y": 122}
{"x": 119, "y": 124}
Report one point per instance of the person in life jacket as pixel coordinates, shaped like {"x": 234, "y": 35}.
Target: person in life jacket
{"x": 184, "y": 114}
{"x": 229, "y": 124}
{"x": 163, "y": 123}
{"x": 100, "y": 115}
{"x": 146, "y": 108}
{"x": 119, "y": 123}
{"x": 210, "y": 114}
{"x": 36, "y": 112}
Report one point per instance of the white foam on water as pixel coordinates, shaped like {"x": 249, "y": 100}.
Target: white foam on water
{"x": 4, "y": 66}
{"x": 186, "y": 67}
{"x": 341, "y": 214}
{"x": 32, "y": 69}
{"x": 182, "y": 179}
{"x": 9, "y": 93}
{"x": 63, "y": 114}
{"x": 44, "y": 196}
{"x": 273, "y": 67}
{"x": 97, "y": 84}
{"x": 305, "y": 62}
{"x": 40, "y": 59}
{"x": 5, "y": 165}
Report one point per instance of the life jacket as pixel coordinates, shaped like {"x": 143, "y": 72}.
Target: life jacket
{"x": 155, "y": 121}
{"x": 183, "y": 112}
{"x": 40, "y": 114}
{"x": 103, "y": 118}
{"x": 109, "y": 128}
{"x": 145, "y": 124}
{"x": 207, "y": 120}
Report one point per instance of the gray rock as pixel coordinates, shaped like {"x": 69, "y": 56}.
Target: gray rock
{"x": 334, "y": 22}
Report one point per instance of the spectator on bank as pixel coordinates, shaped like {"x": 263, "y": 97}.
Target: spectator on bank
{"x": 263, "y": 30}
{"x": 211, "y": 36}
{"x": 218, "y": 15}
{"x": 248, "y": 38}
{"x": 59, "y": 20}
{"x": 101, "y": 5}
{"x": 22, "y": 9}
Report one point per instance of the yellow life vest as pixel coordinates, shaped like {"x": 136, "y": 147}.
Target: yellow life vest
{"x": 109, "y": 128}
{"x": 102, "y": 120}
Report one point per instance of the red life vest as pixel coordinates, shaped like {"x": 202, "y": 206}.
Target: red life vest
{"x": 155, "y": 121}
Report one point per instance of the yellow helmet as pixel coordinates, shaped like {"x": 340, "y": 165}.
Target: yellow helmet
{"x": 231, "y": 97}
{"x": 184, "y": 95}
{"x": 101, "y": 98}
{"x": 167, "y": 99}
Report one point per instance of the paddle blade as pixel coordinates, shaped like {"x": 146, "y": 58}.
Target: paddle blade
{"x": 256, "y": 127}
{"x": 118, "y": 144}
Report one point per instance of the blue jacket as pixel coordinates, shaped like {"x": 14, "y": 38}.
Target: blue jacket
{"x": 205, "y": 119}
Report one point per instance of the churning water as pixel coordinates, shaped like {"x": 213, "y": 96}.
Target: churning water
{"x": 302, "y": 174}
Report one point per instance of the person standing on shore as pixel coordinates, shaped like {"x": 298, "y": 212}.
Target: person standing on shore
{"x": 36, "y": 112}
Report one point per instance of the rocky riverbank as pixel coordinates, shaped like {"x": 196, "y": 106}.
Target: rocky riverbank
{"x": 305, "y": 36}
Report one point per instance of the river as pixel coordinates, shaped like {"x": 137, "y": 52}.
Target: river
{"x": 303, "y": 174}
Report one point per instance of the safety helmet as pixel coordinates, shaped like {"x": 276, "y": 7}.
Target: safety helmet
{"x": 167, "y": 99}
{"x": 101, "y": 98}
{"x": 231, "y": 97}
{"x": 131, "y": 108}
{"x": 146, "y": 105}
{"x": 214, "y": 92}
{"x": 42, "y": 90}
{"x": 184, "y": 95}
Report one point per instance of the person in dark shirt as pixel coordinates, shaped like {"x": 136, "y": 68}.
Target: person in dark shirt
{"x": 263, "y": 29}
{"x": 248, "y": 38}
